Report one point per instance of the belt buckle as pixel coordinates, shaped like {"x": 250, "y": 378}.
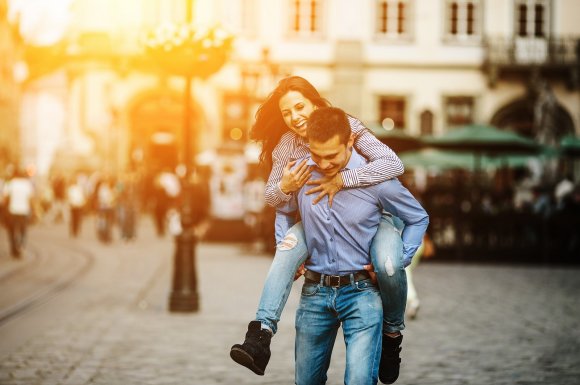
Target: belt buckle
{"x": 329, "y": 280}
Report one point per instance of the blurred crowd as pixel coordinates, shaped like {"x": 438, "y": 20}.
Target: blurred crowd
{"x": 501, "y": 215}
{"x": 513, "y": 215}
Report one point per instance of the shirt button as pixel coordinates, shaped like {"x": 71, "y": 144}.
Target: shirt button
{"x": 334, "y": 260}
{"x": 331, "y": 239}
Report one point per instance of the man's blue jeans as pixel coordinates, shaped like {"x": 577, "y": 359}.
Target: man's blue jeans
{"x": 322, "y": 310}
{"x": 387, "y": 258}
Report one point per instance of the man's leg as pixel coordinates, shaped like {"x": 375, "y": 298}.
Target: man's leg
{"x": 360, "y": 309}
{"x": 387, "y": 257}
{"x": 316, "y": 328}
{"x": 254, "y": 353}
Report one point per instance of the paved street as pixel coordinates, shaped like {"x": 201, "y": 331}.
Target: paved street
{"x": 478, "y": 324}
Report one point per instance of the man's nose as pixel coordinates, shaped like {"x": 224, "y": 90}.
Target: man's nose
{"x": 324, "y": 164}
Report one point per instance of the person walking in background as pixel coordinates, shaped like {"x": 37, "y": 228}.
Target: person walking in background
{"x": 167, "y": 189}
{"x": 76, "y": 201}
{"x": 426, "y": 250}
{"x": 253, "y": 193}
{"x": 127, "y": 206}
{"x": 18, "y": 198}
{"x": 57, "y": 211}
{"x": 105, "y": 209}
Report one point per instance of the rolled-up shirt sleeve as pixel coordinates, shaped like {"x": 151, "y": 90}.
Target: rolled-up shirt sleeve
{"x": 281, "y": 155}
{"x": 397, "y": 200}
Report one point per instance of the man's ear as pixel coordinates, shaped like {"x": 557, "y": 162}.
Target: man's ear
{"x": 350, "y": 142}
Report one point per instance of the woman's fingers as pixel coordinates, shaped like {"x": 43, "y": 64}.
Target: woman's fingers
{"x": 320, "y": 196}
{"x": 289, "y": 165}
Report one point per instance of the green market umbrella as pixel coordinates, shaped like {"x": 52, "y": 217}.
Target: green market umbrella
{"x": 570, "y": 146}
{"x": 484, "y": 139}
{"x": 434, "y": 159}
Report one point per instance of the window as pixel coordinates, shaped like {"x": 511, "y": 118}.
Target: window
{"x": 157, "y": 12}
{"x": 426, "y": 119}
{"x": 531, "y": 18}
{"x": 240, "y": 16}
{"x": 393, "y": 108}
{"x": 392, "y": 18}
{"x": 459, "y": 110}
{"x": 463, "y": 20}
{"x": 305, "y": 17}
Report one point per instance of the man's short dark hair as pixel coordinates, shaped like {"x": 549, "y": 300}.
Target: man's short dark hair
{"x": 326, "y": 122}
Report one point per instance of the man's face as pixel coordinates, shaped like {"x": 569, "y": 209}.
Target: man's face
{"x": 331, "y": 156}
{"x": 295, "y": 110}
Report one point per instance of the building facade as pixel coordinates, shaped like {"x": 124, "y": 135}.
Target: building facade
{"x": 421, "y": 66}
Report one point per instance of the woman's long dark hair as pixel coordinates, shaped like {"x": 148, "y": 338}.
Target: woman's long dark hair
{"x": 269, "y": 125}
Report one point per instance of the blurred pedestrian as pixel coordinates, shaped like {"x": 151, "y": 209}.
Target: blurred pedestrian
{"x": 563, "y": 190}
{"x": 426, "y": 250}
{"x": 254, "y": 204}
{"x": 127, "y": 207}
{"x": 18, "y": 198}
{"x": 58, "y": 206}
{"x": 167, "y": 189}
{"x": 77, "y": 200}
{"x": 105, "y": 210}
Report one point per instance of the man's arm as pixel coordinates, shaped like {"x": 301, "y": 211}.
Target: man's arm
{"x": 397, "y": 200}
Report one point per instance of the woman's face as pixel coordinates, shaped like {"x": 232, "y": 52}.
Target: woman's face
{"x": 296, "y": 110}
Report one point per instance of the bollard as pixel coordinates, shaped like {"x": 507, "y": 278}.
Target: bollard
{"x": 184, "y": 296}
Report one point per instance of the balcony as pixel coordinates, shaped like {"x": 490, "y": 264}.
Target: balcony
{"x": 555, "y": 58}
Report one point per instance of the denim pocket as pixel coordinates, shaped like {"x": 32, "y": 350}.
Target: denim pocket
{"x": 366, "y": 284}
{"x": 309, "y": 289}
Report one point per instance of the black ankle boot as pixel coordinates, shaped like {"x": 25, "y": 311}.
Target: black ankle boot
{"x": 390, "y": 360}
{"x": 254, "y": 353}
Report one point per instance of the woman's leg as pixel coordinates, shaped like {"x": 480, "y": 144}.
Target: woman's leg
{"x": 387, "y": 258}
{"x": 291, "y": 252}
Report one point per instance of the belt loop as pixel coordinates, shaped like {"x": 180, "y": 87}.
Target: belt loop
{"x": 321, "y": 283}
{"x": 352, "y": 282}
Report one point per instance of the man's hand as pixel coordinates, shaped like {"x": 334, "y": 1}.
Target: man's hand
{"x": 300, "y": 272}
{"x": 293, "y": 180}
{"x": 326, "y": 186}
{"x": 371, "y": 269}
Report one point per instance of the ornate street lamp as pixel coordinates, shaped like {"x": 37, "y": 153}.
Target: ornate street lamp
{"x": 193, "y": 53}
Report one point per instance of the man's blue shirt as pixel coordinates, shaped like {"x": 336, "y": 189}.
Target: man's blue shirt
{"x": 339, "y": 237}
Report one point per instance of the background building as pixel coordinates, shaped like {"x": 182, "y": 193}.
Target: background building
{"x": 425, "y": 66}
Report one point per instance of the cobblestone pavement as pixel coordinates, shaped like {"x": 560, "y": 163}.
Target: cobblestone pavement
{"x": 478, "y": 324}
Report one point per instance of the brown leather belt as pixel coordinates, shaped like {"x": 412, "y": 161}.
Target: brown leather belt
{"x": 335, "y": 280}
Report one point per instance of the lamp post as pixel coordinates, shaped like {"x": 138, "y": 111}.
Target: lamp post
{"x": 193, "y": 53}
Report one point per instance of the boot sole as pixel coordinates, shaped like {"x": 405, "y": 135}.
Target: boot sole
{"x": 244, "y": 359}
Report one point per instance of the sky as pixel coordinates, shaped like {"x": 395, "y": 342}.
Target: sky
{"x": 43, "y": 22}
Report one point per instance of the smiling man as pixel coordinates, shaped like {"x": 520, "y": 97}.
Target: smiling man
{"x": 337, "y": 289}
